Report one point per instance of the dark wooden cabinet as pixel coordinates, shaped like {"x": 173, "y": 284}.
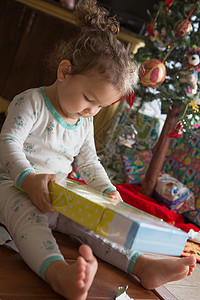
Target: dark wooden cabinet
{"x": 11, "y": 30}
{"x": 27, "y": 36}
{"x": 29, "y": 30}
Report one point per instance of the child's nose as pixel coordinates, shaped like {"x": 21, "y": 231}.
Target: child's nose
{"x": 91, "y": 110}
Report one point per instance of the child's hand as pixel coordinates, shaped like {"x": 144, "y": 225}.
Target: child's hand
{"x": 115, "y": 197}
{"x": 36, "y": 186}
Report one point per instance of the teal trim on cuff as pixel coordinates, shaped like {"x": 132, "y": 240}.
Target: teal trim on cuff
{"x": 56, "y": 114}
{"x": 8, "y": 139}
{"x": 109, "y": 189}
{"x": 135, "y": 256}
{"x": 47, "y": 263}
{"x": 23, "y": 175}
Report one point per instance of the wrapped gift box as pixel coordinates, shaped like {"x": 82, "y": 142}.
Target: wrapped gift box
{"x": 183, "y": 162}
{"x": 130, "y": 133}
{"x": 174, "y": 194}
{"x": 121, "y": 223}
{"x": 136, "y": 165}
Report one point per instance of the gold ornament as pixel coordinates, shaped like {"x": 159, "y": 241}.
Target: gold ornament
{"x": 195, "y": 107}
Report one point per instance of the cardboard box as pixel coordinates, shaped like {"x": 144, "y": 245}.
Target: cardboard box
{"x": 122, "y": 224}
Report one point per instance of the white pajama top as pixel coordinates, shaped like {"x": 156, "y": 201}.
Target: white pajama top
{"x": 35, "y": 138}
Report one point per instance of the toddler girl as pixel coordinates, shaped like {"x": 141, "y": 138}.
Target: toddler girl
{"x": 45, "y": 129}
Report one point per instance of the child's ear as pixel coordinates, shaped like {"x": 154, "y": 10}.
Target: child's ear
{"x": 64, "y": 69}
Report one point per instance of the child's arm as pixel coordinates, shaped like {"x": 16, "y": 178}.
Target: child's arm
{"x": 114, "y": 197}
{"x": 36, "y": 186}
{"x": 92, "y": 171}
{"x": 15, "y": 130}
{"x": 22, "y": 114}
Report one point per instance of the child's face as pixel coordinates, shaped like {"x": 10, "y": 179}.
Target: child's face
{"x": 85, "y": 95}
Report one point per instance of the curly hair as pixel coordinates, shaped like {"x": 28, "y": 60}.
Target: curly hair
{"x": 96, "y": 48}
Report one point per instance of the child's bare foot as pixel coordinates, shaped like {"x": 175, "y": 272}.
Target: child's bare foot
{"x": 73, "y": 281}
{"x": 153, "y": 273}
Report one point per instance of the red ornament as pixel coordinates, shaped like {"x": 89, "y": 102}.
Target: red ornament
{"x": 182, "y": 28}
{"x": 177, "y": 132}
{"x": 130, "y": 98}
{"x": 169, "y": 2}
{"x": 150, "y": 29}
{"x": 152, "y": 72}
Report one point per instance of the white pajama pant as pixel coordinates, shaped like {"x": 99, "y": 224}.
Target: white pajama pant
{"x": 31, "y": 231}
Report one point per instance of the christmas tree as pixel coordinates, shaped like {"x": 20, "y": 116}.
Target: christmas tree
{"x": 169, "y": 66}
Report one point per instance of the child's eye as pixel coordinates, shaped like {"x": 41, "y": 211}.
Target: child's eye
{"x": 86, "y": 98}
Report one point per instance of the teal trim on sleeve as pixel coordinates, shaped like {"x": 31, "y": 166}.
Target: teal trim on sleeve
{"x": 23, "y": 175}
{"x": 47, "y": 263}
{"x": 109, "y": 189}
{"x": 135, "y": 256}
{"x": 56, "y": 114}
{"x": 8, "y": 139}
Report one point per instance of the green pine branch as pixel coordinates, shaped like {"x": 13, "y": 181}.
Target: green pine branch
{"x": 172, "y": 91}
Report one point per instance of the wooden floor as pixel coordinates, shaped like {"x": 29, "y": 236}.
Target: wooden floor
{"x": 18, "y": 282}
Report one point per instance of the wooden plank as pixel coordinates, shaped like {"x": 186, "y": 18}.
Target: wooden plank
{"x": 17, "y": 281}
{"x": 164, "y": 294}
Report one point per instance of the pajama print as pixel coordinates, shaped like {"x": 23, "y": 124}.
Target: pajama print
{"x": 35, "y": 138}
